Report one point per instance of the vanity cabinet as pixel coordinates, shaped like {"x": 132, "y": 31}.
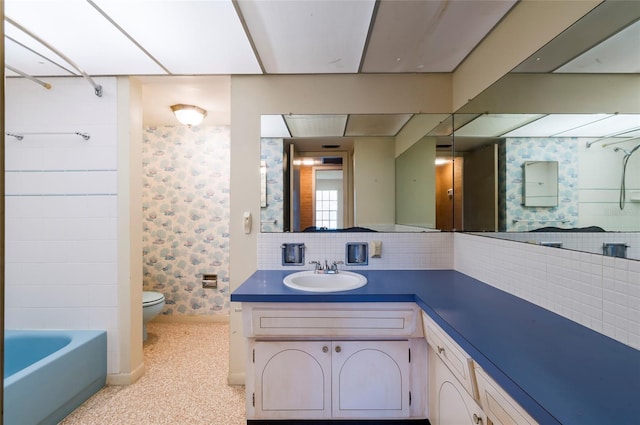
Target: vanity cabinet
{"x": 449, "y": 401}
{"x": 499, "y": 407}
{"x": 460, "y": 391}
{"x": 452, "y": 385}
{"x": 335, "y": 361}
{"x": 451, "y": 354}
{"x": 331, "y": 379}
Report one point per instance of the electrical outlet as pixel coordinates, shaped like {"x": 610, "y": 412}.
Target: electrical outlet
{"x": 209, "y": 280}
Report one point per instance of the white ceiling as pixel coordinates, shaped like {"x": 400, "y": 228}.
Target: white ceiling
{"x": 185, "y": 50}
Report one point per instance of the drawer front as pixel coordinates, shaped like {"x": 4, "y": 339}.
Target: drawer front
{"x": 499, "y": 407}
{"x": 459, "y": 362}
{"x": 337, "y": 321}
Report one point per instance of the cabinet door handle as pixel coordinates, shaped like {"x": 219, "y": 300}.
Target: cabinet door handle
{"x": 440, "y": 351}
{"x": 338, "y": 349}
{"x": 325, "y": 349}
{"x": 477, "y": 419}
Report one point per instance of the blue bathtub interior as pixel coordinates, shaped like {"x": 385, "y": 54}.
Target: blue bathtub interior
{"x": 48, "y": 374}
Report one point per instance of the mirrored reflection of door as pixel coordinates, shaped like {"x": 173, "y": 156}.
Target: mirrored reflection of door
{"x": 318, "y": 191}
{"x": 449, "y": 194}
{"x": 329, "y": 197}
{"x": 480, "y": 176}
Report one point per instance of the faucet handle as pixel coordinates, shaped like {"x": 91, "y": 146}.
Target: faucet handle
{"x": 316, "y": 263}
{"x": 334, "y": 265}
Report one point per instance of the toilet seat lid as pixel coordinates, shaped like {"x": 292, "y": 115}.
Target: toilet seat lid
{"x": 151, "y": 298}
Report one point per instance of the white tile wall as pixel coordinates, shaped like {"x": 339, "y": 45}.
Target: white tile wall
{"x": 579, "y": 241}
{"x": 61, "y": 209}
{"x": 602, "y": 293}
{"x": 432, "y": 250}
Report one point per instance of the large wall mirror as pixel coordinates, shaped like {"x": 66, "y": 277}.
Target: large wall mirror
{"x": 574, "y": 103}
{"x": 357, "y": 172}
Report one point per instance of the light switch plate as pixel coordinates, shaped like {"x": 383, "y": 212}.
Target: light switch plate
{"x": 376, "y": 249}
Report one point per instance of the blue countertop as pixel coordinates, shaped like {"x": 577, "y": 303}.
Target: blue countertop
{"x": 560, "y": 372}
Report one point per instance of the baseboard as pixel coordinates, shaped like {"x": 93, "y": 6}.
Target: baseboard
{"x": 202, "y": 318}
{"x": 236, "y": 379}
{"x": 126, "y": 378}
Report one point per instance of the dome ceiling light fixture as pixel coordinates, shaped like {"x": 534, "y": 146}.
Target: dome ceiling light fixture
{"x": 189, "y": 115}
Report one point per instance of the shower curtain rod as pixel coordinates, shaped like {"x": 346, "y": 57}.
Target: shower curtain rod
{"x": 28, "y": 77}
{"x": 96, "y": 87}
{"x": 20, "y": 136}
{"x": 610, "y": 136}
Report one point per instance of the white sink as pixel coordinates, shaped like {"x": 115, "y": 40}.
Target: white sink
{"x": 319, "y": 282}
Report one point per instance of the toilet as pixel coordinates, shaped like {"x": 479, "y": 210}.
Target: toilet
{"x": 152, "y": 305}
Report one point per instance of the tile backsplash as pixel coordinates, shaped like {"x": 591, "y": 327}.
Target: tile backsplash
{"x": 426, "y": 250}
{"x": 601, "y": 293}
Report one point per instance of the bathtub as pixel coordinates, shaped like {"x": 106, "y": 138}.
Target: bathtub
{"x": 50, "y": 373}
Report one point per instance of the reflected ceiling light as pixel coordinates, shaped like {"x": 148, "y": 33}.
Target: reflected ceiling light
{"x": 442, "y": 161}
{"x": 189, "y": 114}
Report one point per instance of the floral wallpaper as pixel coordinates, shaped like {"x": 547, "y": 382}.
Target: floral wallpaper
{"x": 186, "y": 216}
{"x": 271, "y": 216}
{"x": 513, "y": 153}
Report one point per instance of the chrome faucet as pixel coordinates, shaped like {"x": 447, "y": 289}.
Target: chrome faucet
{"x": 326, "y": 268}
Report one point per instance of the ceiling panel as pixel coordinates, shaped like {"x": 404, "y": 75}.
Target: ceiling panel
{"x": 550, "y": 125}
{"x": 316, "y": 125}
{"x": 620, "y": 53}
{"x": 273, "y": 126}
{"x": 30, "y": 62}
{"x": 77, "y": 30}
{"x": 376, "y": 124}
{"x": 429, "y": 36}
{"x": 604, "y": 21}
{"x": 187, "y": 37}
{"x": 23, "y": 49}
{"x": 300, "y": 37}
{"x": 495, "y": 125}
{"x": 608, "y": 126}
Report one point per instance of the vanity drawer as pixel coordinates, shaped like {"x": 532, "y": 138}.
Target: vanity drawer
{"x": 362, "y": 319}
{"x": 498, "y": 406}
{"x": 459, "y": 362}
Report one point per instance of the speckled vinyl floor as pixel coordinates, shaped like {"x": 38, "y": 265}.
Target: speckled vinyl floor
{"x": 185, "y": 382}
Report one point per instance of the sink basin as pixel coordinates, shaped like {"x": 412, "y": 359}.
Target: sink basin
{"x": 319, "y": 282}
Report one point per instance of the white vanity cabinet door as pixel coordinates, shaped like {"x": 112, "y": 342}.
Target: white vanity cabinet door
{"x": 451, "y": 354}
{"x": 449, "y": 401}
{"x": 292, "y": 379}
{"x": 370, "y": 379}
{"x": 499, "y": 407}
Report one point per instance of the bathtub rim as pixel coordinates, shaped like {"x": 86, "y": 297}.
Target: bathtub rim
{"x": 78, "y": 337}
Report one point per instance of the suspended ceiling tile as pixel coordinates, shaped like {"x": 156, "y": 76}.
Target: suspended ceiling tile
{"x": 30, "y": 52}
{"x": 495, "y": 125}
{"x": 605, "y": 20}
{"x": 273, "y": 126}
{"x": 29, "y": 62}
{"x": 316, "y": 125}
{"x": 617, "y": 54}
{"x": 77, "y": 30}
{"x": 300, "y": 37}
{"x": 375, "y": 124}
{"x": 608, "y": 126}
{"x": 429, "y": 36}
{"x": 550, "y": 125}
{"x": 187, "y": 37}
